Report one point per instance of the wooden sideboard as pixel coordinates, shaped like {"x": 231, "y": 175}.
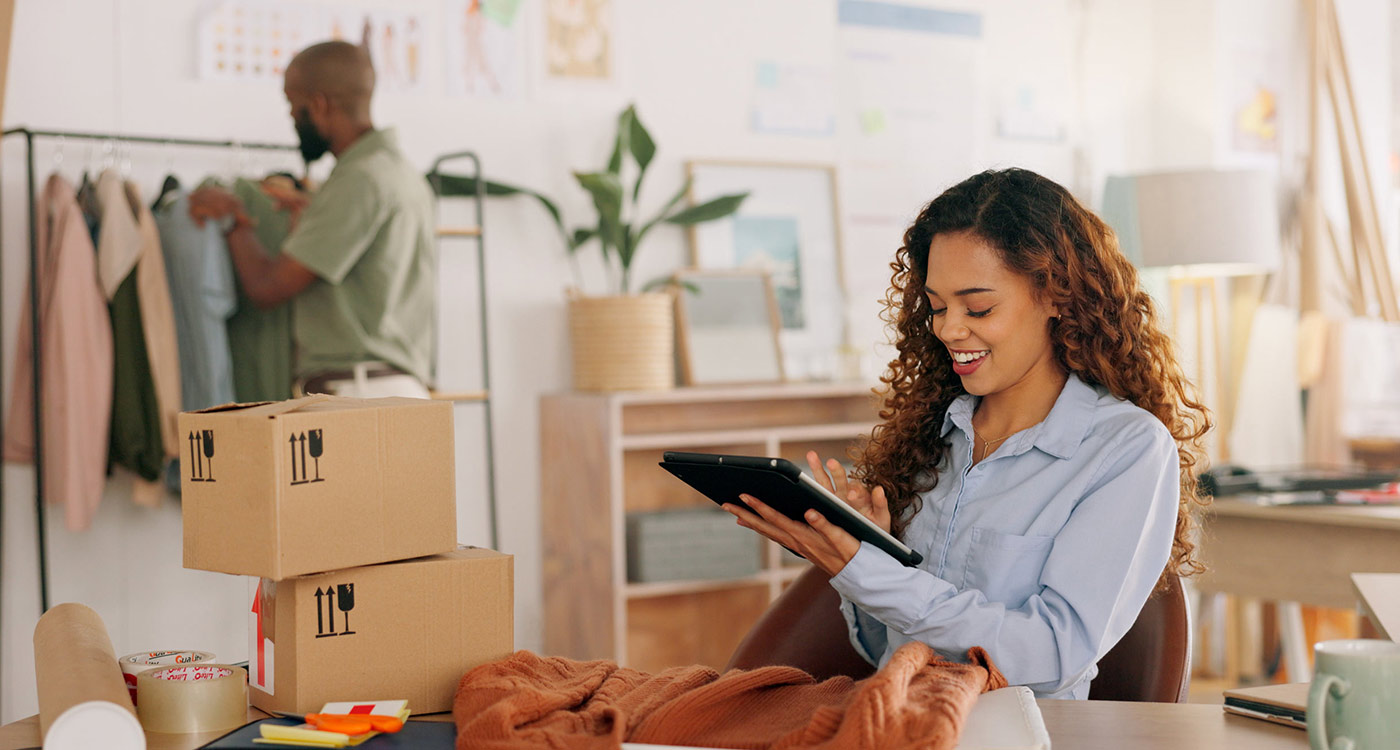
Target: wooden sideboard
{"x": 599, "y": 455}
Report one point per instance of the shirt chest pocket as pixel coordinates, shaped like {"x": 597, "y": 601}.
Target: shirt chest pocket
{"x": 1005, "y": 567}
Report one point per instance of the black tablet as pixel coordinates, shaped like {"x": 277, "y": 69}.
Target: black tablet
{"x": 780, "y": 484}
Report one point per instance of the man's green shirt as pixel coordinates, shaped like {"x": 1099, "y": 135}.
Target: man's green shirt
{"x": 368, "y": 235}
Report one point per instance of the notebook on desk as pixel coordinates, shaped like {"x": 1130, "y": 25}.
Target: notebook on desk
{"x": 1280, "y": 704}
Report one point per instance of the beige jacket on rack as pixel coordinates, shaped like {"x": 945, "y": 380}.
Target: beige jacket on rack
{"x": 76, "y": 360}
{"x": 128, "y": 242}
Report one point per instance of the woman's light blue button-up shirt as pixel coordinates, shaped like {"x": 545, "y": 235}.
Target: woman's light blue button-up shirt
{"x": 1043, "y": 553}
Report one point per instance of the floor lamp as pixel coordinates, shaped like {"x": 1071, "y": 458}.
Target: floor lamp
{"x": 1203, "y": 226}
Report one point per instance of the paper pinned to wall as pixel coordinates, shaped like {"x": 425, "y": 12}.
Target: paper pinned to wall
{"x": 908, "y": 78}
{"x": 578, "y": 38}
{"x": 253, "y": 40}
{"x": 485, "y": 48}
{"x": 792, "y": 99}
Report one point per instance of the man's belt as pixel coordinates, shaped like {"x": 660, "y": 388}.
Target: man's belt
{"x": 319, "y": 382}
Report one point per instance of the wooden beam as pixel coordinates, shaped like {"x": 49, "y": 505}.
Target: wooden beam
{"x": 1365, "y": 197}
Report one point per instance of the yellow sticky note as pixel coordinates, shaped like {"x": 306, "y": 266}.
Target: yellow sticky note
{"x": 300, "y": 736}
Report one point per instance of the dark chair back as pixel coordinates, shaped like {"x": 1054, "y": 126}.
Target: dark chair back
{"x": 1153, "y": 660}
{"x": 803, "y": 628}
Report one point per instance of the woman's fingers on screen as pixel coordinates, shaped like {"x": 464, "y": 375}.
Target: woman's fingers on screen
{"x": 880, "y": 508}
{"x": 838, "y": 476}
{"x": 819, "y": 473}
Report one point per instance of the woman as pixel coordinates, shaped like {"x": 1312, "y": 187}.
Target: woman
{"x": 1038, "y": 447}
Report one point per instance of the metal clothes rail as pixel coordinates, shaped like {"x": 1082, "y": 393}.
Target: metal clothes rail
{"x": 31, "y": 135}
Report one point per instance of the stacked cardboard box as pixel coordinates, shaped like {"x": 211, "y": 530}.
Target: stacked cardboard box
{"x": 345, "y": 512}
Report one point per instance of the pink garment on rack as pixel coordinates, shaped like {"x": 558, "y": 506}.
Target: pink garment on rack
{"x": 76, "y": 362}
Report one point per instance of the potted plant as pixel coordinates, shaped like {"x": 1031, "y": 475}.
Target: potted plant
{"x": 622, "y": 340}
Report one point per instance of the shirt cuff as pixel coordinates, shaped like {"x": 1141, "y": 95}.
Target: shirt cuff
{"x": 896, "y": 595}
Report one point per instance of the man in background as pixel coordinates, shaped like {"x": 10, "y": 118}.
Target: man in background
{"x": 359, "y": 266}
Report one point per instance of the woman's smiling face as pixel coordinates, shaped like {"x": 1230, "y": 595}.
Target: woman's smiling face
{"x": 990, "y": 318}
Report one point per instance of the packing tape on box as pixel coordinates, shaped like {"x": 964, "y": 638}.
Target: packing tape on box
{"x": 200, "y": 698}
{"x": 134, "y": 664}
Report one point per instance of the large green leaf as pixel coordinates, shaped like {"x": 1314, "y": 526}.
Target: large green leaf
{"x": 670, "y": 205}
{"x": 453, "y": 185}
{"x": 626, "y": 246}
{"x": 581, "y": 236}
{"x": 450, "y": 185}
{"x": 606, "y": 189}
{"x": 624, "y": 132}
{"x": 709, "y": 211}
{"x": 643, "y": 150}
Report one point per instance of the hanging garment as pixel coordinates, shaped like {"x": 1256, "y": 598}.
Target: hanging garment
{"x": 146, "y": 377}
{"x": 261, "y": 340}
{"x": 200, "y": 277}
{"x": 76, "y": 362}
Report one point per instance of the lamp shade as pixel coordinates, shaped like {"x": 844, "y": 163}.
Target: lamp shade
{"x": 1198, "y": 223}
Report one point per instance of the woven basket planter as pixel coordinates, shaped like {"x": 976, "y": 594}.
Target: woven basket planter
{"x": 623, "y": 343}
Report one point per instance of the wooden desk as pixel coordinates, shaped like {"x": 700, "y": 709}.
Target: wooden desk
{"x": 1073, "y": 725}
{"x": 1302, "y": 554}
{"x": 1380, "y": 600}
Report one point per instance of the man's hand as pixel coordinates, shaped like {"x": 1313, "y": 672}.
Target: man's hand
{"x": 286, "y": 196}
{"x": 215, "y": 203}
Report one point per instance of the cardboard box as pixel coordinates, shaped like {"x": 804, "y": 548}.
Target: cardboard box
{"x": 404, "y": 630}
{"x": 320, "y": 483}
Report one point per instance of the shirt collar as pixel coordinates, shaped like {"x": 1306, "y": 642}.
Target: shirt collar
{"x": 1059, "y": 434}
{"x": 374, "y": 140}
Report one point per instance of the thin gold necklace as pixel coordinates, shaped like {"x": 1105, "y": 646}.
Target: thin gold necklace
{"x": 987, "y": 445}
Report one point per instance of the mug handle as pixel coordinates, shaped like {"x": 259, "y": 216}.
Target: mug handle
{"x": 1323, "y": 686}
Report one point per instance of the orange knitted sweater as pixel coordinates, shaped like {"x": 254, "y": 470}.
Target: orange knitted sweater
{"x": 918, "y": 700}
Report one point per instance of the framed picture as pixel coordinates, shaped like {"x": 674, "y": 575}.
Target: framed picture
{"x": 788, "y": 228}
{"x": 727, "y": 328}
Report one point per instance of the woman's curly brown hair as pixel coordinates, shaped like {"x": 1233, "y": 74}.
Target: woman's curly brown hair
{"x": 1107, "y": 334}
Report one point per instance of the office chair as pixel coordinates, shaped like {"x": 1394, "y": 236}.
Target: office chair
{"x": 803, "y": 628}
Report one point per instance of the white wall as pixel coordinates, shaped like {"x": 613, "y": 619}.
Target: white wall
{"x": 128, "y": 66}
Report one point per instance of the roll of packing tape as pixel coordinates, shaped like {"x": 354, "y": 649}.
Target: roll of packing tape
{"x": 202, "y": 698}
{"x": 134, "y": 664}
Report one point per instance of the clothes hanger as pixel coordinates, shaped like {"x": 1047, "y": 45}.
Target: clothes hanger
{"x": 171, "y": 182}
{"x": 60, "y": 145}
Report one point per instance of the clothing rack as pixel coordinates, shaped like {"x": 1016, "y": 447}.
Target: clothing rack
{"x": 30, "y": 136}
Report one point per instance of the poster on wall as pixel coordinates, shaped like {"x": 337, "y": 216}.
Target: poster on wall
{"x": 253, "y": 40}
{"x": 395, "y": 43}
{"x": 907, "y": 87}
{"x": 484, "y": 44}
{"x": 1255, "y": 79}
{"x": 578, "y": 38}
{"x": 793, "y": 99}
{"x": 788, "y": 228}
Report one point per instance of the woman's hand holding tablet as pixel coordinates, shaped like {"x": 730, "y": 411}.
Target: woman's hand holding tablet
{"x": 808, "y": 516}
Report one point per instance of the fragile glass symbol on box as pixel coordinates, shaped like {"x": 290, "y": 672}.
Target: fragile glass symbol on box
{"x": 310, "y": 442}
{"x": 201, "y": 452}
{"x": 339, "y": 597}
